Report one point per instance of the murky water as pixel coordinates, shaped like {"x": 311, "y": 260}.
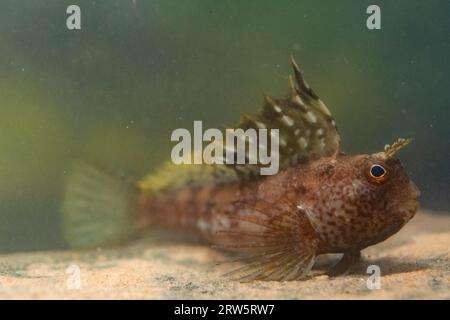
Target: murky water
{"x": 113, "y": 91}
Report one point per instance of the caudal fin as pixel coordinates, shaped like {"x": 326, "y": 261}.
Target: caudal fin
{"x": 98, "y": 208}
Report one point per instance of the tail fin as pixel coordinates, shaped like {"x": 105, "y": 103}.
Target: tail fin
{"x": 98, "y": 208}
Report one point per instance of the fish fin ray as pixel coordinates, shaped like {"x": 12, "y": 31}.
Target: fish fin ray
{"x": 98, "y": 207}
{"x": 268, "y": 250}
{"x": 307, "y": 130}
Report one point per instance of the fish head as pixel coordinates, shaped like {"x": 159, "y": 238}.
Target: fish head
{"x": 388, "y": 197}
{"x": 391, "y": 180}
{"x": 364, "y": 200}
{"x": 395, "y": 194}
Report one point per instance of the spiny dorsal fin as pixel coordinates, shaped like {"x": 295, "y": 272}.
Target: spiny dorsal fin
{"x": 307, "y": 130}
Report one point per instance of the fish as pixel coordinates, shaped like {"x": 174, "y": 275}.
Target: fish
{"x": 321, "y": 201}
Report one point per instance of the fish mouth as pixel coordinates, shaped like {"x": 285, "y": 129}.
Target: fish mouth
{"x": 413, "y": 204}
{"x": 406, "y": 209}
{"x": 413, "y": 199}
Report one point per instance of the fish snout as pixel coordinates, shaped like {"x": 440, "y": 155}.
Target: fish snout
{"x": 409, "y": 208}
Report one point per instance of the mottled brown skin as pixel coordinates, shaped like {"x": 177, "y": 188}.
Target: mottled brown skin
{"x": 338, "y": 207}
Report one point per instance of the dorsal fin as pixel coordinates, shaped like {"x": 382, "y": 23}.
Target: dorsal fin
{"x": 307, "y": 130}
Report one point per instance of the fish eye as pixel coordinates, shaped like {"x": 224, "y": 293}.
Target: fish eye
{"x": 377, "y": 172}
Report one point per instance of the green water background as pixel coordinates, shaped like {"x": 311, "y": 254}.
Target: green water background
{"x": 113, "y": 91}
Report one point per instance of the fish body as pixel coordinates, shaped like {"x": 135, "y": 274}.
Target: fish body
{"x": 344, "y": 206}
{"x": 321, "y": 201}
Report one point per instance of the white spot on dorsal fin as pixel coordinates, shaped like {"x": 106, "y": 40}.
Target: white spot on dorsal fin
{"x": 260, "y": 125}
{"x": 288, "y": 121}
{"x": 311, "y": 117}
{"x": 323, "y": 108}
{"x": 302, "y": 142}
{"x": 298, "y": 101}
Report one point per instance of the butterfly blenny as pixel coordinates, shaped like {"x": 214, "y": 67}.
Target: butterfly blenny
{"x": 321, "y": 201}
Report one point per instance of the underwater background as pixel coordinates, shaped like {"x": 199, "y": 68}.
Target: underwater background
{"x": 113, "y": 91}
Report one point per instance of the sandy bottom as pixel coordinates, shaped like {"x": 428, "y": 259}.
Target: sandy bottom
{"x": 414, "y": 264}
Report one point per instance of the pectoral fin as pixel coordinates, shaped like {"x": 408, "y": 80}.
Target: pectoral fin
{"x": 271, "y": 241}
